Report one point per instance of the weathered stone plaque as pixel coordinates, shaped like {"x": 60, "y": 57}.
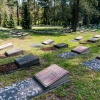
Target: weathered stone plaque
{"x": 61, "y": 45}
{"x": 15, "y": 51}
{"x": 79, "y": 38}
{"x": 80, "y": 49}
{"x": 48, "y": 42}
{"x": 27, "y": 61}
{"x": 51, "y": 76}
{"x": 6, "y": 46}
{"x": 98, "y": 57}
{"x": 93, "y": 40}
{"x": 97, "y": 36}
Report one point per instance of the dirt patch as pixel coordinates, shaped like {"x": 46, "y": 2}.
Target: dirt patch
{"x": 49, "y": 49}
{"x": 8, "y": 67}
{"x": 84, "y": 42}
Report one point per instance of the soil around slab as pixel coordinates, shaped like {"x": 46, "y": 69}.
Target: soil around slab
{"x": 8, "y": 68}
{"x": 49, "y": 49}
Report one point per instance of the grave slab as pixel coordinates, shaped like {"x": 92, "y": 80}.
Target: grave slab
{"x": 61, "y": 45}
{"x": 79, "y": 38}
{"x": 51, "y": 76}
{"x": 6, "y": 46}
{"x": 37, "y": 45}
{"x": 27, "y": 89}
{"x": 93, "y": 40}
{"x": 67, "y": 55}
{"x": 94, "y": 30}
{"x": 80, "y": 50}
{"x": 48, "y": 42}
{"x": 93, "y": 64}
{"x": 97, "y": 36}
{"x": 27, "y": 61}
{"x": 13, "y": 52}
{"x": 98, "y": 57}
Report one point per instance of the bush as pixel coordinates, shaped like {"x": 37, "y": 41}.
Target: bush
{"x": 26, "y": 17}
{"x": 5, "y": 20}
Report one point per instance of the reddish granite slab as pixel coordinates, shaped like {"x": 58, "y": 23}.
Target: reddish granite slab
{"x": 50, "y": 75}
{"x": 80, "y": 49}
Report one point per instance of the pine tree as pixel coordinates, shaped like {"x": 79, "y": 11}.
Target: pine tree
{"x": 11, "y": 22}
{"x": 26, "y": 17}
{"x": 5, "y": 20}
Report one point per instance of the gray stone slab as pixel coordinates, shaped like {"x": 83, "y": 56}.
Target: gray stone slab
{"x": 61, "y": 45}
{"x": 80, "y": 50}
{"x": 51, "y": 76}
{"x": 93, "y": 40}
{"x": 6, "y": 46}
{"x": 48, "y": 42}
{"x": 36, "y": 45}
{"x": 15, "y": 51}
{"x": 97, "y": 36}
{"x": 79, "y": 38}
{"x": 67, "y": 55}
{"x": 93, "y": 64}
{"x": 27, "y": 61}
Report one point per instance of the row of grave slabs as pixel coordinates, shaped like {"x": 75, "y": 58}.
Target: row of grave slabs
{"x": 47, "y": 79}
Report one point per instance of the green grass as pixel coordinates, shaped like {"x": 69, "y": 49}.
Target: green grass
{"x": 84, "y": 84}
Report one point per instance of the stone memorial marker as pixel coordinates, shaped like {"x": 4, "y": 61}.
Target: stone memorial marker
{"x": 93, "y": 64}
{"x": 25, "y": 34}
{"x": 79, "y": 38}
{"x": 93, "y": 40}
{"x": 98, "y": 57}
{"x": 80, "y": 50}
{"x": 42, "y": 82}
{"x": 48, "y": 42}
{"x": 36, "y": 45}
{"x": 94, "y": 30}
{"x": 27, "y": 61}
{"x": 97, "y": 36}
{"x": 61, "y": 45}
{"x": 52, "y": 76}
{"x": 15, "y": 51}
{"x": 6, "y": 46}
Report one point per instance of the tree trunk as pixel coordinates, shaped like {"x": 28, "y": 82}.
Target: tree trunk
{"x": 17, "y": 13}
{"x": 75, "y": 12}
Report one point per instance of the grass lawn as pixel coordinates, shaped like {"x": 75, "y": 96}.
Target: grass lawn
{"x": 84, "y": 84}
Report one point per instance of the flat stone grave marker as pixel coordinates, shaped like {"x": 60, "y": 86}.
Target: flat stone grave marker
{"x": 98, "y": 57}
{"x": 15, "y": 51}
{"x": 6, "y": 46}
{"x": 80, "y": 50}
{"x": 25, "y": 34}
{"x": 51, "y": 76}
{"x": 79, "y": 38}
{"x": 48, "y": 42}
{"x": 67, "y": 55}
{"x": 61, "y": 45}
{"x": 27, "y": 61}
{"x": 97, "y": 36}
{"x": 93, "y": 64}
{"x": 37, "y": 45}
{"x": 94, "y": 30}
{"x": 93, "y": 40}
